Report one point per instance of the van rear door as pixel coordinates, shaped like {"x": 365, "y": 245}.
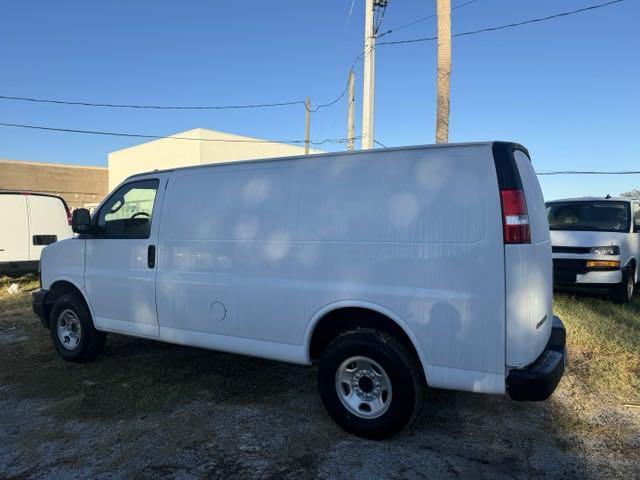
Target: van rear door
{"x": 14, "y": 229}
{"x": 528, "y": 261}
{"x": 48, "y": 223}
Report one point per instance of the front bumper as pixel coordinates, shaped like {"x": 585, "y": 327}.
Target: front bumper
{"x": 573, "y": 272}
{"x": 538, "y": 381}
{"x": 38, "y": 305}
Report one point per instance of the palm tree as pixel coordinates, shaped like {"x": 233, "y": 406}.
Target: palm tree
{"x": 443, "y": 82}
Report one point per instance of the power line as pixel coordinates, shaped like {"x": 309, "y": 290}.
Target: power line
{"x": 379, "y": 143}
{"x": 150, "y": 107}
{"x": 167, "y": 107}
{"x": 346, "y": 87}
{"x": 251, "y": 140}
{"x": 379, "y": 15}
{"x": 299, "y": 102}
{"x": 589, "y": 172}
{"x": 510, "y": 25}
{"x": 423, "y": 19}
{"x": 156, "y": 137}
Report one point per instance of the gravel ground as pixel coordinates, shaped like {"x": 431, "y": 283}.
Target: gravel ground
{"x": 149, "y": 410}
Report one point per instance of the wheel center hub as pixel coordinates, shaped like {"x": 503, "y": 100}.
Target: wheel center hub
{"x": 366, "y": 385}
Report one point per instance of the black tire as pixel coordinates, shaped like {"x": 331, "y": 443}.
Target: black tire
{"x": 623, "y": 293}
{"x": 91, "y": 341}
{"x": 401, "y": 368}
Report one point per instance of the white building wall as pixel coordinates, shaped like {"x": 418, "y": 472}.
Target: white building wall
{"x": 203, "y": 149}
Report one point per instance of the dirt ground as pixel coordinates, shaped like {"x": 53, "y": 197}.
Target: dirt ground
{"x": 150, "y": 410}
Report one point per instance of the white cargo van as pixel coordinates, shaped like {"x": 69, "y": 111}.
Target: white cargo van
{"x": 389, "y": 268}
{"x": 29, "y": 222}
{"x": 596, "y": 244}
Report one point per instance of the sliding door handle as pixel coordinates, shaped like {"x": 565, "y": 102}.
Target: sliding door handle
{"x": 151, "y": 256}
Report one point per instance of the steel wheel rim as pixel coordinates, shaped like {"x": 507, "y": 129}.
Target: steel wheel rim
{"x": 363, "y": 387}
{"x": 69, "y": 329}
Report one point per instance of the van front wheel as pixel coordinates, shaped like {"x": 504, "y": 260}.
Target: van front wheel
{"x": 370, "y": 383}
{"x": 72, "y": 330}
{"x": 623, "y": 293}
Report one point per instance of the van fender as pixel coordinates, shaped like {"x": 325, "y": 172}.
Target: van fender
{"x": 73, "y": 282}
{"x": 319, "y": 314}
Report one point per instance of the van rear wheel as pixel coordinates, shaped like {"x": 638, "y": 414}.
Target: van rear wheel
{"x": 72, "y": 331}
{"x": 370, "y": 383}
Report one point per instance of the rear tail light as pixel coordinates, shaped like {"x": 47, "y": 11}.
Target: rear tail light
{"x": 515, "y": 218}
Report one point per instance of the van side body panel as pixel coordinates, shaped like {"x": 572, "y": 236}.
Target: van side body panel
{"x": 250, "y": 253}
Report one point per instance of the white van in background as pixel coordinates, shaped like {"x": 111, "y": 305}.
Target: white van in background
{"x": 28, "y": 223}
{"x": 389, "y": 268}
{"x": 596, "y": 244}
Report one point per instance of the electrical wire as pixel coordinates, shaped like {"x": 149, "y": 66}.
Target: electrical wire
{"x": 346, "y": 87}
{"x": 423, "y": 19}
{"x": 151, "y": 107}
{"x": 300, "y": 102}
{"x": 172, "y": 137}
{"x": 379, "y": 17}
{"x": 510, "y": 25}
{"x": 589, "y": 172}
{"x": 251, "y": 140}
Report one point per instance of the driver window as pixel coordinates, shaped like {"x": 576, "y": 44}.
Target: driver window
{"x": 127, "y": 213}
{"x": 637, "y": 216}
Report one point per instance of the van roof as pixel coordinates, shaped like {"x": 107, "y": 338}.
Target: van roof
{"x": 593, "y": 199}
{"x": 335, "y": 154}
{"x": 38, "y": 194}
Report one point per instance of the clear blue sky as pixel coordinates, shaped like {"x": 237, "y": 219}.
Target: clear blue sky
{"x": 568, "y": 89}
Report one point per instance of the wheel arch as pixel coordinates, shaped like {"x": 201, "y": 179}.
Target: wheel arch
{"x": 60, "y": 287}
{"x": 339, "y": 317}
{"x": 632, "y": 263}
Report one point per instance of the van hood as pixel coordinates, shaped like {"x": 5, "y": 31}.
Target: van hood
{"x": 579, "y": 238}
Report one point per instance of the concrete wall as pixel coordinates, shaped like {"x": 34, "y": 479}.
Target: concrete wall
{"x": 80, "y": 186}
{"x": 154, "y": 155}
{"x": 203, "y": 149}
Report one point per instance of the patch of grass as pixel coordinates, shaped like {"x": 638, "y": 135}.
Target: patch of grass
{"x": 26, "y": 284}
{"x": 603, "y": 346}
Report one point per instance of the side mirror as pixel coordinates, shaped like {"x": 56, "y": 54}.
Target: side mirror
{"x": 81, "y": 221}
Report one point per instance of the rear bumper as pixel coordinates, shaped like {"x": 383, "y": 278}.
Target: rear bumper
{"x": 538, "y": 381}
{"x": 38, "y": 305}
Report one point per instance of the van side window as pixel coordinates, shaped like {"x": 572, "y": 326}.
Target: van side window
{"x": 128, "y": 212}
{"x": 636, "y": 217}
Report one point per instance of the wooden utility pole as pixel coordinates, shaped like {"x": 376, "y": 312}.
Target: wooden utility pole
{"x": 350, "y": 126}
{"x": 369, "y": 76}
{"x": 307, "y": 126}
{"x": 443, "y": 80}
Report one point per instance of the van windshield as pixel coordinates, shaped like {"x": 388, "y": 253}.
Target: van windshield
{"x": 592, "y": 216}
